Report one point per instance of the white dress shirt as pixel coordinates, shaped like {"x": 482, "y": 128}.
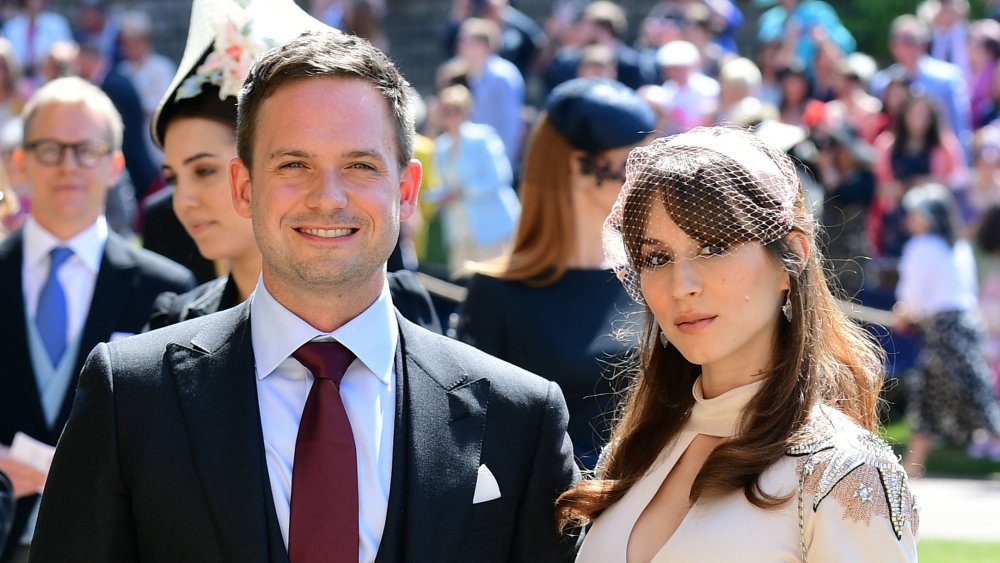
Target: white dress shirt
{"x": 78, "y": 274}
{"x": 368, "y": 391}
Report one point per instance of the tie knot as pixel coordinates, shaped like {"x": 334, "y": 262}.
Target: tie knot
{"x": 326, "y": 360}
{"x": 58, "y": 255}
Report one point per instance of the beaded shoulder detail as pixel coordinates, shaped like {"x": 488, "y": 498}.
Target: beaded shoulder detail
{"x": 857, "y": 467}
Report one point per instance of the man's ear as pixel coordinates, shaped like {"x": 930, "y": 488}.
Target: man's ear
{"x": 18, "y": 157}
{"x": 239, "y": 186}
{"x": 117, "y": 166}
{"x": 409, "y": 188}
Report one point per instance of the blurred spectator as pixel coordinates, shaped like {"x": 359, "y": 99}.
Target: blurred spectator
{"x": 853, "y": 105}
{"x": 10, "y": 206}
{"x": 362, "y": 20}
{"x": 551, "y": 305}
{"x": 796, "y": 24}
{"x": 605, "y": 23}
{"x": 149, "y": 71}
{"x": 15, "y": 185}
{"x": 987, "y": 240}
{"x": 942, "y": 81}
{"x": 521, "y": 39}
{"x": 59, "y": 62}
{"x": 497, "y": 86}
{"x": 32, "y": 31}
{"x": 96, "y": 25}
{"x": 770, "y": 60}
{"x": 12, "y": 95}
{"x": 984, "y": 52}
{"x": 330, "y": 12}
{"x": 479, "y": 205}
{"x": 984, "y": 185}
{"x": 71, "y": 131}
{"x": 949, "y": 26}
{"x": 656, "y": 97}
{"x": 952, "y": 391}
{"x": 795, "y": 93}
{"x": 143, "y": 173}
{"x": 739, "y": 79}
{"x": 597, "y": 61}
{"x": 691, "y": 96}
{"x": 699, "y": 29}
{"x": 843, "y": 168}
{"x": 917, "y": 150}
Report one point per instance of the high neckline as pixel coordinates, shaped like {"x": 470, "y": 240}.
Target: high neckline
{"x": 718, "y": 416}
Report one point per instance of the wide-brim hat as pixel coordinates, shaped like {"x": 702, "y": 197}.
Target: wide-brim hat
{"x": 259, "y": 23}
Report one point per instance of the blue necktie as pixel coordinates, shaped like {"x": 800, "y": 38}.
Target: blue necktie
{"x": 50, "y": 317}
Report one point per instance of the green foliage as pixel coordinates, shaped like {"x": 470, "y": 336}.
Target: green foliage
{"x": 869, "y": 20}
{"x": 944, "y": 460}
{"x": 949, "y": 551}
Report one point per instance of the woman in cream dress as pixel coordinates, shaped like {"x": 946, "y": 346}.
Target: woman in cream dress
{"x": 748, "y": 431}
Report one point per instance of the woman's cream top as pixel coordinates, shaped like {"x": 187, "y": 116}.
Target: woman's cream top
{"x": 856, "y": 504}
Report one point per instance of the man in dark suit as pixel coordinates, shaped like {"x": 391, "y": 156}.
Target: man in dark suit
{"x": 6, "y": 507}
{"x": 218, "y": 439}
{"x": 68, "y": 282}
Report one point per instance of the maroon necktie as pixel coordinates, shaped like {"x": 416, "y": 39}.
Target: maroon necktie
{"x": 323, "y": 525}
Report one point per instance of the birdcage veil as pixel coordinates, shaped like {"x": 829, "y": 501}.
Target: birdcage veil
{"x": 721, "y": 185}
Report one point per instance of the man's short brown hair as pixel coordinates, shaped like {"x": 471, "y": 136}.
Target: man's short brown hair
{"x": 325, "y": 55}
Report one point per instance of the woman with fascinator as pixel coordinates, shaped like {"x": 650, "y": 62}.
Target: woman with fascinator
{"x": 552, "y": 305}
{"x": 195, "y": 124}
{"x": 753, "y": 406}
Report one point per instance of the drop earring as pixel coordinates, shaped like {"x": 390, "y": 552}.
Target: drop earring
{"x": 787, "y": 307}
{"x": 663, "y": 339}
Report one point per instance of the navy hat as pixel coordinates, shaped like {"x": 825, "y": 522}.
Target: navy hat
{"x": 595, "y": 114}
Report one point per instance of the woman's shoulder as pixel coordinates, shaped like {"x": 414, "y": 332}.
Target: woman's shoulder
{"x": 171, "y": 308}
{"x": 844, "y": 468}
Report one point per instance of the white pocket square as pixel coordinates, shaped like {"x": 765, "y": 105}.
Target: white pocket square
{"x": 486, "y": 486}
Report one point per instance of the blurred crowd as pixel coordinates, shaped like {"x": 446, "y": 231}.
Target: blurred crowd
{"x": 865, "y": 136}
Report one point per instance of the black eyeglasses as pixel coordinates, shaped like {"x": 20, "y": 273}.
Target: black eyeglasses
{"x": 50, "y": 153}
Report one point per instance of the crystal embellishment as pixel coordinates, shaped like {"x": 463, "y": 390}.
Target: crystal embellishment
{"x": 842, "y": 453}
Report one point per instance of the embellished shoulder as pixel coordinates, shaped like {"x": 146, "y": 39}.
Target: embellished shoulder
{"x": 840, "y": 458}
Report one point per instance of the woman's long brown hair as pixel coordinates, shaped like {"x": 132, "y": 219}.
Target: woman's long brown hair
{"x": 821, "y": 356}
{"x": 545, "y": 237}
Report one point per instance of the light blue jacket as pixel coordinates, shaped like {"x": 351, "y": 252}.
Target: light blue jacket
{"x": 481, "y": 171}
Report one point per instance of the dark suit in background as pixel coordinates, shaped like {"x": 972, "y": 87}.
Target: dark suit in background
{"x": 128, "y": 281}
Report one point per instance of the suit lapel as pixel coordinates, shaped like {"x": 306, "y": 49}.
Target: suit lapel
{"x": 19, "y": 378}
{"x": 444, "y": 413}
{"x": 217, "y": 392}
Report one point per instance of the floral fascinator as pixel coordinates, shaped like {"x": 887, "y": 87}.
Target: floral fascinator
{"x": 224, "y": 38}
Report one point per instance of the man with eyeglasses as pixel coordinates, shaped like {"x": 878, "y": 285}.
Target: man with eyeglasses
{"x": 66, "y": 281}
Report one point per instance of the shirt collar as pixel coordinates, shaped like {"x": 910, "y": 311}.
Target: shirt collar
{"x": 87, "y": 245}
{"x": 277, "y": 332}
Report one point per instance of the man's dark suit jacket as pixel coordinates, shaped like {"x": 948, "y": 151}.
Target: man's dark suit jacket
{"x": 6, "y": 507}
{"x": 163, "y": 457}
{"x": 128, "y": 281}
{"x": 141, "y": 168}
{"x": 409, "y": 297}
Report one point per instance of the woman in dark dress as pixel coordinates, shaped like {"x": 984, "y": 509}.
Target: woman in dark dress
{"x": 551, "y": 305}
{"x": 195, "y": 125}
